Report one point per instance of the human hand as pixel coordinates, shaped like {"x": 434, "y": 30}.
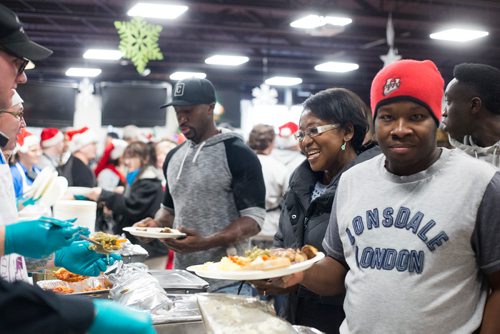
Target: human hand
{"x": 94, "y": 194}
{"x": 192, "y": 242}
{"x": 111, "y": 317}
{"x": 267, "y": 287}
{"x": 146, "y": 222}
{"x": 40, "y": 238}
{"x": 79, "y": 259}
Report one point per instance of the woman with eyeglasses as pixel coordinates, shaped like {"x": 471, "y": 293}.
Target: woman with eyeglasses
{"x": 331, "y": 132}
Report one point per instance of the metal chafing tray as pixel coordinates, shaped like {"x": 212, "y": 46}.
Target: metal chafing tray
{"x": 92, "y": 286}
{"x": 178, "y": 281}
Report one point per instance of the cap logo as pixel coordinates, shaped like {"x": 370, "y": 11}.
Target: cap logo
{"x": 179, "y": 89}
{"x": 391, "y": 85}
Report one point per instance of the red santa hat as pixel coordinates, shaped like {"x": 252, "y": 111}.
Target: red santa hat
{"x": 25, "y": 140}
{"x": 118, "y": 148}
{"x": 80, "y": 138}
{"x": 287, "y": 129}
{"x": 50, "y": 137}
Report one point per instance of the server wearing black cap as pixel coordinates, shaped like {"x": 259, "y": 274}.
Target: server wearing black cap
{"x": 25, "y": 308}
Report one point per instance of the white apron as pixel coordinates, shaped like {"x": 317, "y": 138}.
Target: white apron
{"x": 12, "y": 266}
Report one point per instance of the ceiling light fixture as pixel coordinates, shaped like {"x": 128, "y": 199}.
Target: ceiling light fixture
{"x": 83, "y": 72}
{"x": 335, "y": 66}
{"x": 184, "y": 75}
{"x": 283, "y": 81}
{"x": 315, "y": 21}
{"x": 226, "y": 60}
{"x": 158, "y": 11}
{"x": 102, "y": 54}
{"x": 458, "y": 35}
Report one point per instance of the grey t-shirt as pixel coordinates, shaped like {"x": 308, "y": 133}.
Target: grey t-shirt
{"x": 417, "y": 246}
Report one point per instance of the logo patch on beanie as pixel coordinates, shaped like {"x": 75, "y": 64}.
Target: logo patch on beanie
{"x": 179, "y": 89}
{"x": 391, "y": 85}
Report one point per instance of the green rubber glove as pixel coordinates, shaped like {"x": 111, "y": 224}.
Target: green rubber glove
{"x": 111, "y": 317}
{"x": 79, "y": 259}
{"x": 39, "y": 238}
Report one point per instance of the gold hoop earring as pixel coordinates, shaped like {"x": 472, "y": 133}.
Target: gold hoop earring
{"x": 343, "y": 146}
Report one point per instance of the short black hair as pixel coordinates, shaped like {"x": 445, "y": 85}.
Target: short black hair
{"x": 340, "y": 105}
{"x": 485, "y": 79}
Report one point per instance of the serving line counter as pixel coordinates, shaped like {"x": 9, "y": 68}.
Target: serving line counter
{"x": 185, "y": 307}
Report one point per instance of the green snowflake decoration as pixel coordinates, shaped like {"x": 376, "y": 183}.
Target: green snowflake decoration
{"x": 139, "y": 42}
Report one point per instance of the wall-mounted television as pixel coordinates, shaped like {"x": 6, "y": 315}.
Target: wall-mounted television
{"x": 135, "y": 103}
{"x": 48, "y": 104}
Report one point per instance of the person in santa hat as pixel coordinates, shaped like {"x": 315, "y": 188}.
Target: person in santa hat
{"x": 52, "y": 142}
{"x": 83, "y": 148}
{"x": 109, "y": 174}
{"x": 287, "y": 148}
{"x": 24, "y": 167}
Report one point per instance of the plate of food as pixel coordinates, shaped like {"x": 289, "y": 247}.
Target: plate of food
{"x": 88, "y": 286}
{"x": 260, "y": 264}
{"x": 155, "y": 232}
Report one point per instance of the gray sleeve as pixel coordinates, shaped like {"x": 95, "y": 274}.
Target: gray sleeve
{"x": 332, "y": 243}
{"x": 486, "y": 235}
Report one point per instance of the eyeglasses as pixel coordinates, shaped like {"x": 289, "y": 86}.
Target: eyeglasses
{"x": 17, "y": 114}
{"x": 20, "y": 62}
{"x": 313, "y": 132}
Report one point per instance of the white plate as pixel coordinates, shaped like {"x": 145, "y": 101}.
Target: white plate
{"x": 42, "y": 181}
{"x": 246, "y": 275}
{"x": 55, "y": 191}
{"x": 153, "y": 232}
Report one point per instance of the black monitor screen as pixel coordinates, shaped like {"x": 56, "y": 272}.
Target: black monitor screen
{"x": 48, "y": 104}
{"x": 133, "y": 103}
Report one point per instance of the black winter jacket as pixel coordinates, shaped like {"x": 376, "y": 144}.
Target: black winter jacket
{"x": 141, "y": 200}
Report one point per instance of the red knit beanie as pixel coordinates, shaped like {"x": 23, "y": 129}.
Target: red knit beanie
{"x": 408, "y": 80}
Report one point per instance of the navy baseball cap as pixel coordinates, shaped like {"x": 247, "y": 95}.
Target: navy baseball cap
{"x": 14, "y": 40}
{"x": 192, "y": 91}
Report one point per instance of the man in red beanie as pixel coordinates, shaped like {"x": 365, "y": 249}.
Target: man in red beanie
{"x": 52, "y": 142}
{"x": 413, "y": 234}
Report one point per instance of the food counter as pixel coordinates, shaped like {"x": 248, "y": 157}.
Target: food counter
{"x": 187, "y": 308}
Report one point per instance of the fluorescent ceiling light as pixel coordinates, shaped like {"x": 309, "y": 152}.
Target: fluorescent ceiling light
{"x": 226, "y": 60}
{"x": 337, "y": 20}
{"x": 334, "y": 66}
{"x": 157, "y": 11}
{"x": 185, "y": 75}
{"x": 316, "y": 21}
{"x": 83, "y": 72}
{"x": 458, "y": 35}
{"x": 102, "y": 54}
{"x": 283, "y": 81}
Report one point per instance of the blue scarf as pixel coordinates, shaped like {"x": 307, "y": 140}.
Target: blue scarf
{"x": 131, "y": 176}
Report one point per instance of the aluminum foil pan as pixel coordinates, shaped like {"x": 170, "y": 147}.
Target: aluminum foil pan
{"x": 223, "y": 313}
{"x": 89, "y": 286}
{"x": 185, "y": 309}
